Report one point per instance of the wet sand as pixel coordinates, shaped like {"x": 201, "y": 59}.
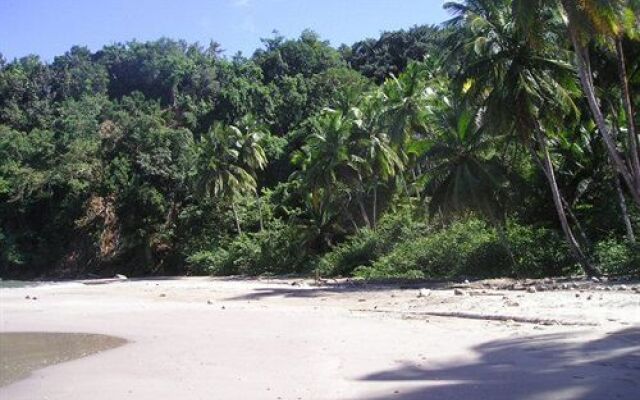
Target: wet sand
{"x": 251, "y": 339}
{"x": 23, "y": 352}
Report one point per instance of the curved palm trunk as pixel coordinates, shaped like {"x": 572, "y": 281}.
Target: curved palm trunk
{"x": 586, "y": 80}
{"x": 576, "y": 250}
{"x": 625, "y": 212}
{"x": 626, "y": 100}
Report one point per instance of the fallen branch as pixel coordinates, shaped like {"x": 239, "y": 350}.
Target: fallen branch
{"x": 486, "y": 317}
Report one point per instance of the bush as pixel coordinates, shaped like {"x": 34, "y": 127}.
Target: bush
{"x": 472, "y": 248}
{"x": 366, "y": 246}
{"x": 539, "y": 252}
{"x": 439, "y": 255}
{"x": 276, "y": 250}
{"x": 618, "y": 258}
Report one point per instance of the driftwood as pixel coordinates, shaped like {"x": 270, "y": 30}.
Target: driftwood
{"x": 486, "y": 317}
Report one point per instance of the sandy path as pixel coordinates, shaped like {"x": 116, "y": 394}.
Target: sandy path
{"x": 211, "y": 339}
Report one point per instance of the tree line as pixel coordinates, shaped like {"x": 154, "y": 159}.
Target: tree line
{"x": 502, "y": 143}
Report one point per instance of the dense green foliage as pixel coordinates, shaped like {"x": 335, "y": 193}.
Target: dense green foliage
{"x": 504, "y": 142}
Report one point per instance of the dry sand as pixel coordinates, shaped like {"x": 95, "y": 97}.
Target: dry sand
{"x": 201, "y": 338}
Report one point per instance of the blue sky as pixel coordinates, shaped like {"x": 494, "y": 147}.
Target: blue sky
{"x": 50, "y": 27}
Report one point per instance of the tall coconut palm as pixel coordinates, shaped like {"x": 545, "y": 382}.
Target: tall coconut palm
{"x": 586, "y": 20}
{"x": 524, "y": 86}
{"x": 227, "y": 162}
{"x": 327, "y": 161}
{"x": 378, "y": 159}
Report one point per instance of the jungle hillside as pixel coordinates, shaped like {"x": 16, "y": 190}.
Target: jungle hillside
{"x": 501, "y": 143}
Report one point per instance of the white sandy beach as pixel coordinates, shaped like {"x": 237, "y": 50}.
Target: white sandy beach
{"x": 203, "y": 338}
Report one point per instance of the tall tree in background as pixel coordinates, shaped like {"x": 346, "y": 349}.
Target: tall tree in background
{"x": 522, "y": 83}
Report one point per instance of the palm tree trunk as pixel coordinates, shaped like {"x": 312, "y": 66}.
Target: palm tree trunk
{"x": 625, "y": 212}
{"x": 363, "y": 212}
{"x": 577, "y": 252}
{"x": 375, "y": 203}
{"x": 586, "y": 80}
{"x": 235, "y": 216}
{"x": 631, "y": 126}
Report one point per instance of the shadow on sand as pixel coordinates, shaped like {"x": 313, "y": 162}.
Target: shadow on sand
{"x": 537, "y": 367}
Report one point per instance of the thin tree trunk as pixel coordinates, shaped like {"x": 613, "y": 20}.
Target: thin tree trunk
{"x": 260, "y": 212}
{"x": 375, "y": 203}
{"x": 566, "y": 205}
{"x": 578, "y": 254}
{"x": 235, "y": 215}
{"x": 625, "y": 212}
{"x": 363, "y": 212}
{"x": 628, "y": 106}
{"x": 576, "y": 221}
{"x": 586, "y": 81}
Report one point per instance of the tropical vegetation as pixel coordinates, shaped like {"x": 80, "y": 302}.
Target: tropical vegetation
{"x": 503, "y": 142}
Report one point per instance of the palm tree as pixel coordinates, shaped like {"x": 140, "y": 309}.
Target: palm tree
{"x": 378, "y": 159}
{"x": 227, "y": 161}
{"x": 523, "y": 83}
{"x": 405, "y": 101}
{"x": 588, "y": 19}
{"x": 465, "y": 172}
{"x": 328, "y": 164}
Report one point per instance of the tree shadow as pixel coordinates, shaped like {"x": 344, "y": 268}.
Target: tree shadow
{"x": 536, "y": 367}
{"x": 291, "y": 291}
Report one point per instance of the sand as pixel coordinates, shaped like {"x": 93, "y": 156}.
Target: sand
{"x": 204, "y": 338}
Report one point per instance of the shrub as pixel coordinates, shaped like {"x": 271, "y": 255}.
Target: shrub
{"x": 618, "y": 258}
{"x": 276, "y": 250}
{"x": 539, "y": 252}
{"x": 446, "y": 253}
{"x": 472, "y": 248}
{"x": 366, "y": 246}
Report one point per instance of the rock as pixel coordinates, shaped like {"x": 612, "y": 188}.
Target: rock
{"x": 542, "y": 288}
{"x": 589, "y": 297}
{"x": 564, "y": 286}
{"x": 595, "y": 279}
{"x": 27, "y": 297}
{"x": 622, "y": 287}
{"x": 163, "y": 295}
{"x": 424, "y": 293}
{"x": 577, "y": 294}
{"x": 223, "y": 308}
{"x": 466, "y": 281}
{"x": 575, "y": 285}
{"x": 362, "y": 300}
{"x": 34, "y": 298}
{"x": 531, "y": 289}
{"x": 459, "y": 292}
{"x": 121, "y": 277}
{"x": 209, "y": 302}
{"x": 608, "y": 288}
